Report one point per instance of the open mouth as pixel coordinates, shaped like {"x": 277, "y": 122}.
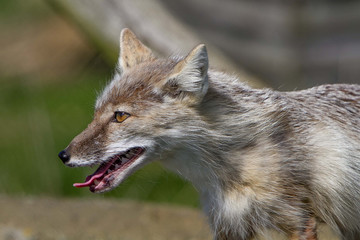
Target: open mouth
{"x": 106, "y": 174}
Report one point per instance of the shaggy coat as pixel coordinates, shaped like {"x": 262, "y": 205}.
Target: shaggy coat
{"x": 260, "y": 159}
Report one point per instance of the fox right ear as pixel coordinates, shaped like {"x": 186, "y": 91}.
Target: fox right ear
{"x": 190, "y": 76}
{"x": 132, "y": 51}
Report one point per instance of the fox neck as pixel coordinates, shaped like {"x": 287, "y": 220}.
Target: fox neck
{"x": 228, "y": 128}
{"x": 191, "y": 165}
{"x": 205, "y": 161}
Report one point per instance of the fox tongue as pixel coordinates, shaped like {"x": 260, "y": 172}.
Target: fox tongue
{"x": 89, "y": 181}
{"x": 91, "y": 178}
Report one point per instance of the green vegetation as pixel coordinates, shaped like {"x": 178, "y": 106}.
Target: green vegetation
{"x": 38, "y": 120}
{"x": 17, "y": 10}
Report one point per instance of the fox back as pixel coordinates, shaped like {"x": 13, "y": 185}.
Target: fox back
{"x": 260, "y": 159}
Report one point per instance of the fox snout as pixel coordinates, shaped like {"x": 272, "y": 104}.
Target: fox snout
{"x": 64, "y": 156}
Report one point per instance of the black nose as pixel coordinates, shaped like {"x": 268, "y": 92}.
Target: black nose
{"x": 64, "y": 156}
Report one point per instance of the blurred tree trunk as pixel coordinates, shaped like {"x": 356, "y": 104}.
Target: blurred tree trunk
{"x": 102, "y": 21}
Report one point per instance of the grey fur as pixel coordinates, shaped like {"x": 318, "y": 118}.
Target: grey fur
{"x": 304, "y": 128}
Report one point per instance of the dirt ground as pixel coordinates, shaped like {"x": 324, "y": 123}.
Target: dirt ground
{"x": 39, "y": 218}
{"x": 35, "y": 218}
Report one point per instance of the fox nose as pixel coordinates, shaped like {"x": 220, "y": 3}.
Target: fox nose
{"x": 64, "y": 156}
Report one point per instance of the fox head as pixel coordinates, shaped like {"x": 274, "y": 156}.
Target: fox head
{"x": 146, "y": 111}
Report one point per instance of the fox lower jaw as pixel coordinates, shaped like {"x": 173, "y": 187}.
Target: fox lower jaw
{"x": 113, "y": 169}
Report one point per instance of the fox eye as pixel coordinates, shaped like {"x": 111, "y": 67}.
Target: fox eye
{"x": 121, "y": 116}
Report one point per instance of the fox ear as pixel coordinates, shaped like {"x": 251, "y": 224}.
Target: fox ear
{"x": 190, "y": 75}
{"x": 132, "y": 51}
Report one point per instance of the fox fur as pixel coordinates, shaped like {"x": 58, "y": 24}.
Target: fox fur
{"x": 260, "y": 159}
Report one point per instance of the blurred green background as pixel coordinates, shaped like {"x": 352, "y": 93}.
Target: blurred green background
{"x": 50, "y": 75}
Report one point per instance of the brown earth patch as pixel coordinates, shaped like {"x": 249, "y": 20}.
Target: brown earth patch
{"x": 77, "y": 219}
{"x": 39, "y": 218}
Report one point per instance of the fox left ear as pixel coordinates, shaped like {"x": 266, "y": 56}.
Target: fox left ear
{"x": 132, "y": 51}
{"x": 190, "y": 76}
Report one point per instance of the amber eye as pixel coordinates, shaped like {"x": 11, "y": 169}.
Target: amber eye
{"x": 121, "y": 116}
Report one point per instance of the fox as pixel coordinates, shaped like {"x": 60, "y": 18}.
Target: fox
{"x": 260, "y": 159}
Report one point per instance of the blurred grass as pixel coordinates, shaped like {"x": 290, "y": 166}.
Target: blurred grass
{"x": 38, "y": 120}
{"x": 18, "y": 10}
{"x": 39, "y": 115}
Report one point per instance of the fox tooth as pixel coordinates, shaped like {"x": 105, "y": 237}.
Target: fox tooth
{"x": 96, "y": 182}
{"x": 117, "y": 166}
{"x": 125, "y": 160}
{"x": 128, "y": 155}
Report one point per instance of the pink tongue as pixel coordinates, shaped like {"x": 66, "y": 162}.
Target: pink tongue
{"x": 91, "y": 178}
